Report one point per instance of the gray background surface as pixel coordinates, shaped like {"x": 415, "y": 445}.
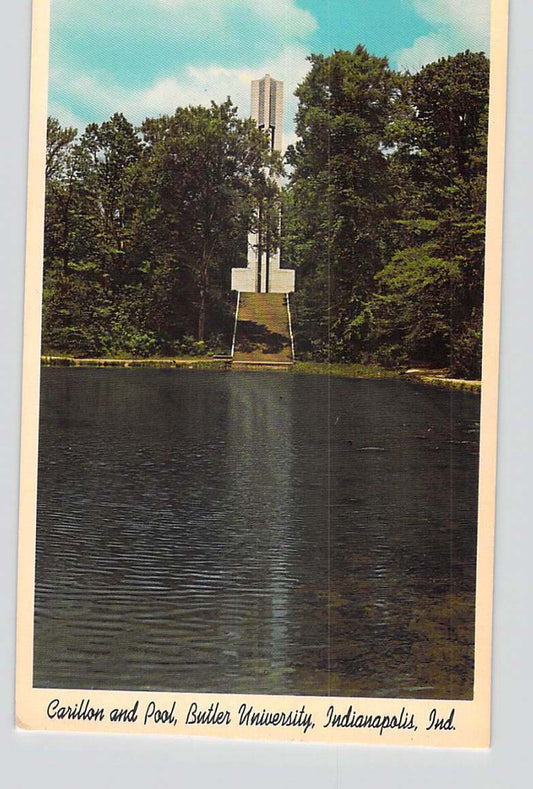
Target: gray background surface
{"x": 29, "y": 759}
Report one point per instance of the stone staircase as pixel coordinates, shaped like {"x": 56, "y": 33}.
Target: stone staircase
{"x": 262, "y": 332}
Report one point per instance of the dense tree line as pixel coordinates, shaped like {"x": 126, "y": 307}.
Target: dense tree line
{"x": 143, "y": 226}
{"x": 383, "y": 219}
{"x": 385, "y": 211}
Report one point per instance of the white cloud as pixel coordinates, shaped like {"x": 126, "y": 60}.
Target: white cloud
{"x": 469, "y": 17}
{"x": 284, "y": 13}
{"x": 65, "y": 116}
{"x": 185, "y": 16}
{"x": 196, "y": 85}
{"x": 184, "y": 53}
{"x": 459, "y": 25}
{"x": 425, "y": 49}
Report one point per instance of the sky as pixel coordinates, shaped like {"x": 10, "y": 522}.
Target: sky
{"x": 146, "y": 57}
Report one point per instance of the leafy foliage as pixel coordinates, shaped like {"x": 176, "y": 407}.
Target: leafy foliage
{"x": 383, "y": 216}
{"x": 143, "y": 227}
{"x": 340, "y": 188}
{"x": 386, "y": 210}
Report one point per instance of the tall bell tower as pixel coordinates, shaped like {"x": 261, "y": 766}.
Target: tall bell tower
{"x": 263, "y": 272}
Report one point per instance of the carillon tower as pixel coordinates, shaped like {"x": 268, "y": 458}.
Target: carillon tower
{"x": 263, "y": 273}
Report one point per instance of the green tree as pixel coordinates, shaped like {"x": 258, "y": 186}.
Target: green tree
{"x": 61, "y": 193}
{"x": 204, "y": 172}
{"x": 340, "y": 202}
{"x": 92, "y": 302}
{"x": 108, "y": 157}
{"x": 385, "y": 210}
{"x": 412, "y": 317}
{"x": 441, "y": 154}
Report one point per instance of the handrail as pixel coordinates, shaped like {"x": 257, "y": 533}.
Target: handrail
{"x": 235, "y": 326}
{"x": 290, "y": 326}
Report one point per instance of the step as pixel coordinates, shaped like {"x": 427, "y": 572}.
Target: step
{"x": 239, "y": 364}
{"x": 262, "y": 331}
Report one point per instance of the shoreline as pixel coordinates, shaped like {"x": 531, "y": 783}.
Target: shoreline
{"x": 429, "y": 377}
{"x": 198, "y": 363}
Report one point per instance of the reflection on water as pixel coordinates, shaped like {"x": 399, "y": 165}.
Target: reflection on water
{"x": 255, "y": 532}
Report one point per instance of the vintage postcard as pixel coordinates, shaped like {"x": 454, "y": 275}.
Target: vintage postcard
{"x": 261, "y": 369}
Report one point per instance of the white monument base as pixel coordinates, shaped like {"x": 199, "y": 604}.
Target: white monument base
{"x": 281, "y": 281}
{"x": 244, "y": 280}
{"x": 263, "y": 273}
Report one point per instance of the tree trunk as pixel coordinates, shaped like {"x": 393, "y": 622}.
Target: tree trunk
{"x": 203, "y": 295}
{"x": 65, "y": 253}
{"x": 201, "y": 315}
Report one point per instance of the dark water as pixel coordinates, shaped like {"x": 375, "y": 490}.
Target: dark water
{"x": 255, "y": 532}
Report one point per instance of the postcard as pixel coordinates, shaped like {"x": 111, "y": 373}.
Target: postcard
{"x": 261, "y": 369}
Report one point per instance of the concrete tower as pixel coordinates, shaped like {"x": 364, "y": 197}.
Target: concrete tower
{"x": 263, "y": 273}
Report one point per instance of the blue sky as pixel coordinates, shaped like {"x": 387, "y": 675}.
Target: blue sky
{"x": 145, "y": 57}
